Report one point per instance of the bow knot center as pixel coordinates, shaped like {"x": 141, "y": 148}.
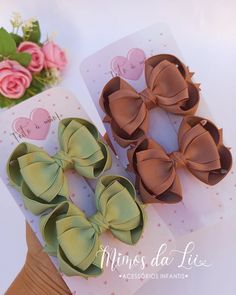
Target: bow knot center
{"x": 148, "y": 98}
{"x": 178, "y": 159}
{"x": 99, "y": 223}
{"x": 63, "y": 160}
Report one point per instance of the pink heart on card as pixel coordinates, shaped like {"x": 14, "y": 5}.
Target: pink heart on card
{"x": 130, "y": 67}
{"x": 35, "y": 127}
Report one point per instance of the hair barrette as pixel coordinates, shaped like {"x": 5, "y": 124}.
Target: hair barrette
{"x": 74, "y": 238}
{"x": 169, "y": 86}
{"x": 201, "y": 152}
{"x": 40, "y": 177}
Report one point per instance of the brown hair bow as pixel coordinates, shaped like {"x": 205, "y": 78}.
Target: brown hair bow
{"x": 201, "y": 151}
{"x": 169, "y": 86}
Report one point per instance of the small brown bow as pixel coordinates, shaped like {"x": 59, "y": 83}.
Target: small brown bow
{"x": 201, "y": 151}
{"x": 169, "y": 86}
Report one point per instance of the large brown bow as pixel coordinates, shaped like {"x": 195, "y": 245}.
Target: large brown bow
{"x": 201, "y": 151}
{"x": 169, "y": 86}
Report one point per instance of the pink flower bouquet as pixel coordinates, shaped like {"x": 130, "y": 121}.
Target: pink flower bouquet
{"x": 27, "y": 66}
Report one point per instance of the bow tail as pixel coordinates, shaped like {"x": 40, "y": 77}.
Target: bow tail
{"x": 124, "y": 139}
{"x": 121, "y": 138}
{"x": 177, "y": 99}
{"x": 130, "y": 234}
{"x": 172, "y": 195}
{"x": 37, "y": 205}
{"x": 124, "y": 236}
{"x": 214, "y": 171}
{"x": 69, "y": 269}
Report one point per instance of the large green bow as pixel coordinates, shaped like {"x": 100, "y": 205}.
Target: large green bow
{"x": 41, "y": 178}
{"x": 74, "y": 239}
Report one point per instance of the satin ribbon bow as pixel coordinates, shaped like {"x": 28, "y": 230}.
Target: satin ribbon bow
{"x": 74, "y": 238}
{"x": 169, "y": 86}
{"x": 201, "y": 152}
{"x": 41, "y": 179}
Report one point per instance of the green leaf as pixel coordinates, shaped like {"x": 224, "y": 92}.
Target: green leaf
{"x": 34, "y": 34}
{"x": 7, "y": 43}
{"x": 18, "y": 39}
{"x": 36, "y": 84}
{"x": 7, "y": 102}
{"x": 23, "y": 58}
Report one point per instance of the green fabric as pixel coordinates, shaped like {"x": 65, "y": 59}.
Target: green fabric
{"x": 74, "y": 239}
{"x": 41, "y": 179}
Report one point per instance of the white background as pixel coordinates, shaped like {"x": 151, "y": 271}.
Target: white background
{"x": 206, "y": 34}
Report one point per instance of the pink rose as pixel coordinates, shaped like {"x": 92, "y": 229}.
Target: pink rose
{"x": 55, "y": 57}
{"x": 37, "y": 61}
{"x": 14, "y": 79}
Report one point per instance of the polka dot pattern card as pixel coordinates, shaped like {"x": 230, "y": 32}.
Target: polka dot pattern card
{"x": 36, "y": 121}
{"x": 202, "y": 204}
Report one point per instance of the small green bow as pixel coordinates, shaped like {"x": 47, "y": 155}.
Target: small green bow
{"x": 74, "y": 239}
{"x": 41, "y": 179}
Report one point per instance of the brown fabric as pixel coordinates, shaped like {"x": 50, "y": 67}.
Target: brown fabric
{"x": 201, "y": 151}
{"x": 169, "y": 86}
{"x": 38, "y": 276}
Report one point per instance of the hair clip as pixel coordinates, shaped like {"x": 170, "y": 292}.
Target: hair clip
{"x": 169, "y": 86}
{"x": 201, "y": 152}
{"x": 40, "y": 178}
{"x": 74, "y": 238}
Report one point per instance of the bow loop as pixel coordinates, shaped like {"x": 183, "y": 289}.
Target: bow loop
{"x": 155, "y": 172}
{"x": 72, "y": 238}
{"x": 117, "y": 204}
{"x": 168, "y": 84}
{"x": 79, "y": 139}
{"x": 201, "y": 142}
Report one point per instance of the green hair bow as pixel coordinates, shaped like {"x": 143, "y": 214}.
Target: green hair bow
{"x": 74, "y": 238}
{"x": 40, "y": 178}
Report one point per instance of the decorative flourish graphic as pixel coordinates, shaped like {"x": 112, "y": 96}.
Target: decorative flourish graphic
{"x": 35, "y": 127}
{"x": 130, "y": 67}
